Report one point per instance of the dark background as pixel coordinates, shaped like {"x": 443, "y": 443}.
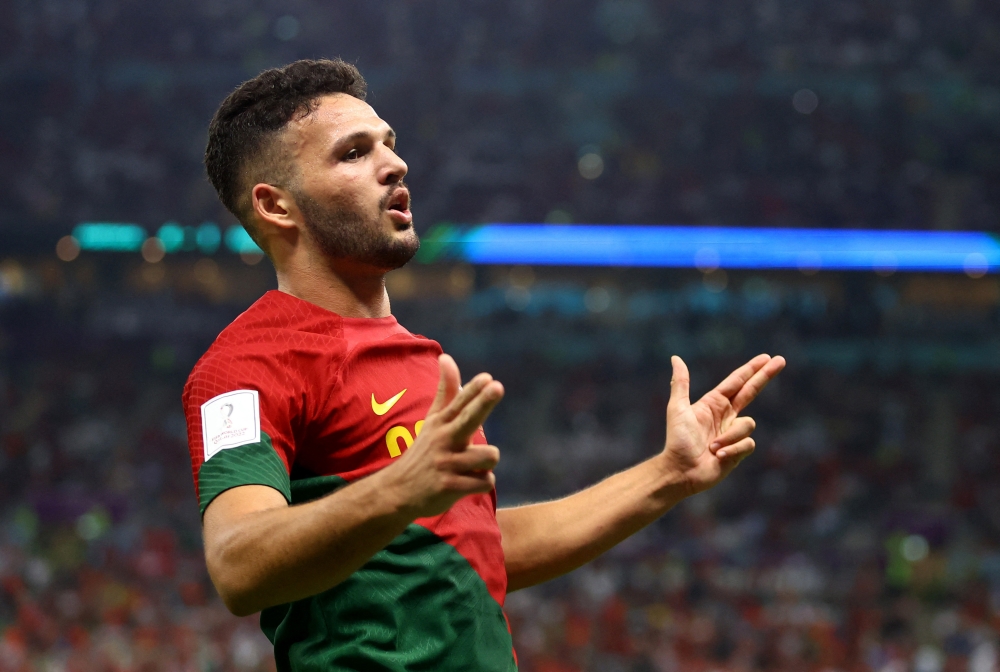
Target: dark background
{"x": 690, "y": 105}
{"x": 863, "y": 535}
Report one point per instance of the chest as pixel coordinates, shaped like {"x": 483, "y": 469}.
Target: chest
{"x": 373, "y": 410}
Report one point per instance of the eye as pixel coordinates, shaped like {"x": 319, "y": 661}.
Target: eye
{"x": 352, "y": 155}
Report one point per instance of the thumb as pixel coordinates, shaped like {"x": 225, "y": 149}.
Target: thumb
{"x": 448, "y": 383}
{"x": 680, "y": 385}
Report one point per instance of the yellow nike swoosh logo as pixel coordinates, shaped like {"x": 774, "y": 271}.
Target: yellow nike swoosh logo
{"x": 382, "y": 409}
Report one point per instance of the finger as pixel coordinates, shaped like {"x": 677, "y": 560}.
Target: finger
{"x": 737, "y": 451}
{"x": 740, "y": 429}
{"x": 757, "y": 383}
{"x": 680, "y": 384}
{"x": 474, "y": 414}
{"x": 465, "y": 395}
{"x": 735, "y": 381}
{"x": 472, "y": 482}
{"x": 475, "y": 458}
{"x": 448, "y": 383}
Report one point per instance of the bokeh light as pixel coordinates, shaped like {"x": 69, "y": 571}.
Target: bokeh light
{"x": 67, "y": 249}
{"x": 591, "y": 165}
{"x": 805, "y": 101}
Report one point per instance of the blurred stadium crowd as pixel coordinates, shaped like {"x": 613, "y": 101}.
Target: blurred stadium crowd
{"x": 863, "y": 535}
{"x": 879, "y": 113}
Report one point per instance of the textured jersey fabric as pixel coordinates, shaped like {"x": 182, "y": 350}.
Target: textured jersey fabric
{"x": 321, "y": 401}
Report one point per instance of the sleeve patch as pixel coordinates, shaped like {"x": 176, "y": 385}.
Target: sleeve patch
{"x": 230, "y": 420}
{"x": 254, "y": 464}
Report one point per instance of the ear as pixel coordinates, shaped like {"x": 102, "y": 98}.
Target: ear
{"x": 274, "y": 205}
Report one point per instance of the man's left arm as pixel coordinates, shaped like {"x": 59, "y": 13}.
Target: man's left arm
{"x": 705, "y": 441}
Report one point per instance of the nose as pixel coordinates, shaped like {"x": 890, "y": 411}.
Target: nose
{"x": 393, "y": 168}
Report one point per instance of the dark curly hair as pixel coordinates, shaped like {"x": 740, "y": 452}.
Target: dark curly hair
{"x": 242, "y": 138}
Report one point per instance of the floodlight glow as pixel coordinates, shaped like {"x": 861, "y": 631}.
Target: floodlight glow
{"x": 106, "y": 236}
{"x": 705, "y": 248}
{"x": 240, "y": 242}
{"x": 716, "y": 247}
{"x": 209, "y": 237}
{"x": 171, "y": 235}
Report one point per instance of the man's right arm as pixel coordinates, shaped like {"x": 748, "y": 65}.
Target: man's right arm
{"x": 262, "y": 552}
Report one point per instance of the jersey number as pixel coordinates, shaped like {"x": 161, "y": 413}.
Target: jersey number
{"x": 398, "y": 433}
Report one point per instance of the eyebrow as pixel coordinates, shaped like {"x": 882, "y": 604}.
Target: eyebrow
{"x": 390, "y": 135}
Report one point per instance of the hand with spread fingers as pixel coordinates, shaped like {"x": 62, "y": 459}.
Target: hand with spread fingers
{"x": 443, "y": 465}
{"x": 707, "y": 439}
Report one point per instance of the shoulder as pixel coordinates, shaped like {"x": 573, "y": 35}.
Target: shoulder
{"x": 275, "y": 344}
{"x": 381, "y": 332}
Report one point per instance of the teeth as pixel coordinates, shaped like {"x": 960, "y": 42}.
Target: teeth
{"x": 399, "y": 204}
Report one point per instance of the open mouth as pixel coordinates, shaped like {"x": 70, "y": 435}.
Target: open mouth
{"x": 399, "y": 201}
{"x": 398, "y": 207}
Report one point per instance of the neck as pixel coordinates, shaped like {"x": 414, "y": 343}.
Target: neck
{"x": 338, "y": 285}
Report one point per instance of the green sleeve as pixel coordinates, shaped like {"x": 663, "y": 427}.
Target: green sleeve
{"x": 252, "y": 464}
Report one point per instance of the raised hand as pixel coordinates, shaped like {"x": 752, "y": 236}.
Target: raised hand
{"x": 442, "y": 465}
{"x": 707, "y": 439}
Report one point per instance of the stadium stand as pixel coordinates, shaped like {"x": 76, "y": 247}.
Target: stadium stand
{"x": 863, "y": 535}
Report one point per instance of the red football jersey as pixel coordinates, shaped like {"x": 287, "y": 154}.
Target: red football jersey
{"x": 300, "y": 399}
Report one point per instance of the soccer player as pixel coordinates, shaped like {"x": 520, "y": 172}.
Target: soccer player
{"x": 344, "y": 479}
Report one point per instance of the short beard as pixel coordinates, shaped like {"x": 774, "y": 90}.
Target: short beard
{"x": 344, "y": 233}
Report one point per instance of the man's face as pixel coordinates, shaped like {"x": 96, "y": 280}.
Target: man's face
{"x": 349, "y": 184}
